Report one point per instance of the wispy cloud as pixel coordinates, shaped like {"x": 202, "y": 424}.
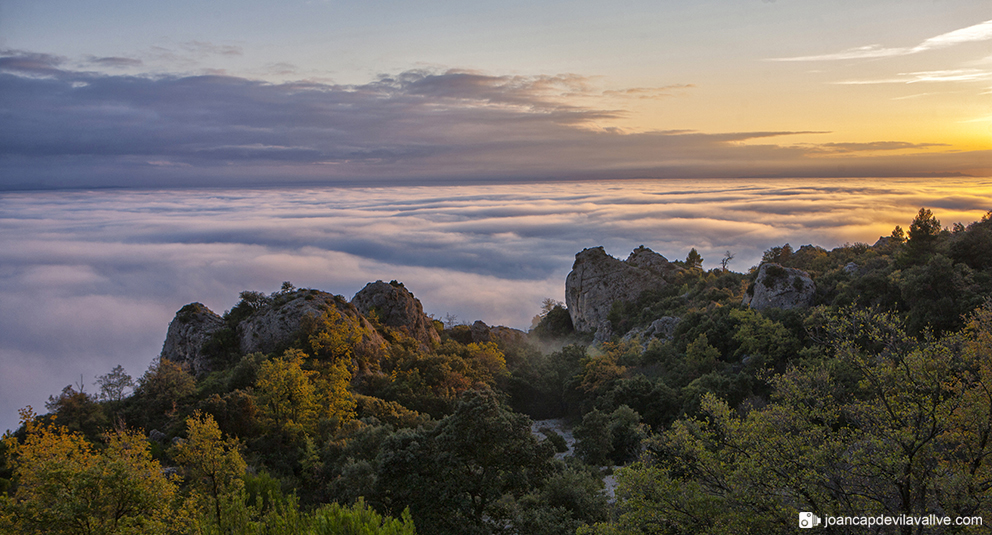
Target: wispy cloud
{"x": 950, "y": 75}
{"x": 114, "y": 61}
{"x": 970, "y": 34}
{"x": 876, "y": 146}
{"x": 650, "y": 93}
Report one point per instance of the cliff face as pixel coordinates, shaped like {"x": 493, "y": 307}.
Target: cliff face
{"x": 396, "y": 307}
{"x": 597, "y": 280}
{"x": 780, "y": 287}
{"x": 189, "y": 331}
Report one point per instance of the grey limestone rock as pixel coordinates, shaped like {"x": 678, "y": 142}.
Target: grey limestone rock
{"x": 663, "y": 328}
{"x": 396, "y": 307}
{"x": 780, "y": 287}
{"x": 481, "y": 332}
{"x": 503, "y": 336}
{"x": 597, "y": 280}
{"x": 189, "y": 331}
{"x": 278, "y": 322}
{"x": 604, "y": 331}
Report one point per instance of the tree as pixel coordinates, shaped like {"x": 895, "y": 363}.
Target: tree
{"x": 889, "y": 425}
{"x": 286, "y": 394}
{"x": 293, "y": 400}
{"x": 694, "y": 260}
{"x": 593, "y": 442}
{"x": 609, "y": 439}
{"x": 215, "y": 470}
{"x": 923, "y": 233}
{"x": 725, "y": 261}
{"x": 253, "y": 299}
{"x": 66, "y": 485}
{"x": 898, "y": 235}
{"x": 359, "y": 519}
{"x": 161, "y": 392}
{"x": 333, "y": 336}
{"x": 924, "y": 227}
{"x": 78, "y": 412}
{"x": 455, "y": 476}
{"x": 114, "y": 385}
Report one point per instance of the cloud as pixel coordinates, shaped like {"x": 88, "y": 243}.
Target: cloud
{"x": 976, "y": 33}
{"x": 30, "y": 63}
{"x": 875, "y": 146}
{"x": 115, "y": 62}
{"x": 203, "y": 48}
{"x": 650, "y": 93}
{"x": 70, "y": 128}
{"x": 91, "y": 279}
{"x": 950, "y": 75}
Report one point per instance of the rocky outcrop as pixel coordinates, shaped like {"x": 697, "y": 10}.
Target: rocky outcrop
{"x": 597, "y": 280}
{"x": 503, "y": 336}
{"x": 396, "y": 307}
{"x": 193, "y": 326}
{"x": 662, "y": 328}
{"x": 780, "y": 287}
{"x": 276, "y": 323}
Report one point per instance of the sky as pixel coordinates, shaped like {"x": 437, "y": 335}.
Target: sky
{"x": 158, "y": 153}
{"x": 178, "y": 94}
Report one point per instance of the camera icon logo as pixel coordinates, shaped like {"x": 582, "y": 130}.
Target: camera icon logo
{"x": 808, "y": 520}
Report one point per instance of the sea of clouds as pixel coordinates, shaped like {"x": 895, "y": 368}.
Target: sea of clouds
{"x": 91, "y": 279}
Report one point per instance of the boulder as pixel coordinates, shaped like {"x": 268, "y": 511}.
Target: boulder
{"x": 396, "y": 307}
{"x": 189, "y": 331}
{"x": 780, "y": 287}
{"x": 597, "y": 280}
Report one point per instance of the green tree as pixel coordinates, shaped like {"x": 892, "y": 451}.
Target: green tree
{"x": 889, "y": 425}
{"x": 161, "y": 395}
{"x": 359, "y": 519}
{"x": 694, "y": 259}
{"x": 609, "y": 439}
{"x": 922, "y": 239}
{"x": 455, "y": 476}
{"x": 79, "y": 412}
{"x": 593, "y": 443}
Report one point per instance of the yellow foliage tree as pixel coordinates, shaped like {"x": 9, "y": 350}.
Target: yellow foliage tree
{"x": 293, "y": 399}
{"x": 333, "y": 337}
{"x": 487, "y": 361}
{"x": 215, "y": 470}
{"x": 286, "y": 395}
{"x": 64, "y": 485}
